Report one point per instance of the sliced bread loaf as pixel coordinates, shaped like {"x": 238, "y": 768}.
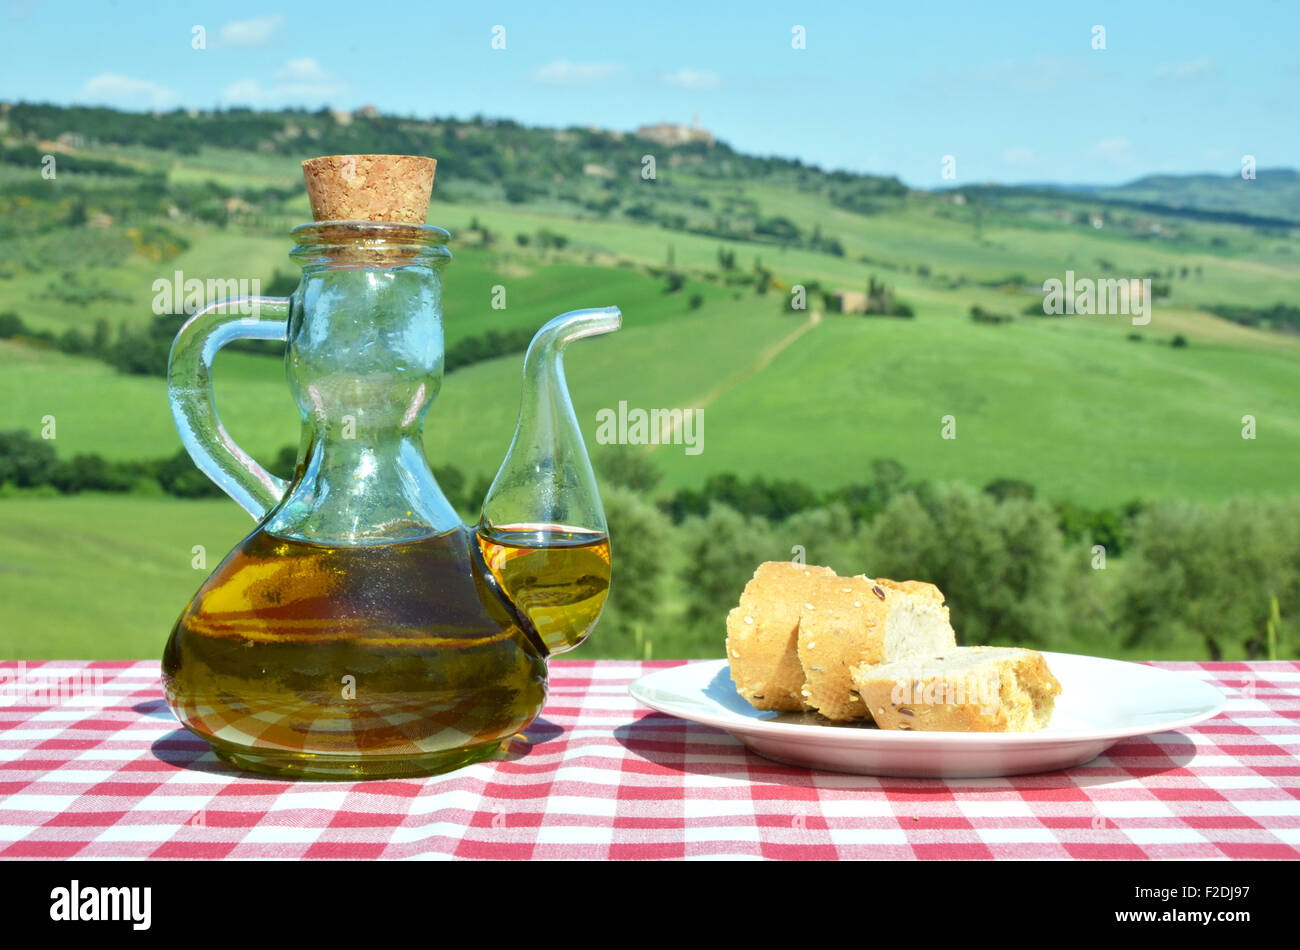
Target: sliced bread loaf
{"x": 964, "y": 689}
{"x": 853, "y": 621}
{"x": 920, "y": 589}
{"x": 762, "y": 634}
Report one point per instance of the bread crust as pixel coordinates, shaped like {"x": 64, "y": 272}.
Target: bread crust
{"x": 762, "y": 634}
{"x": 853, "y": 621}
{"x": 968, "y": 689}
{"x": 915, "y": 588}
{"x": 840, "y": 626}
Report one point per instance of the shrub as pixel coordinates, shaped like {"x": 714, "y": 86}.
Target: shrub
{"x": 1108, "y": 527}
{"x": 25, "y": 461}
{"x": 1004, "y": 488}
{"x": 519, "y": 191}
{"x": 627, "y": 467}
{"x": 487, "y": 346}
{"x": 721, "y": 549}
{"x": 1279, "y": 316}
{"x": 881, "y": 301}
{"x": 775, "y": 500}
{"x": 11, "y": 325}
{"x": 864, "y": 500}
{"x": 638, "y": 537}
{"x": 1208, "y": 573}
{"x": 285, "y": 462}
{"x": 281, "y": 285}
{"x": 74, "y": 342}
{"x": 140, "y": 351}
{"x": 178, "y": 476}
{"x": 1001, "y": 565}
{"x": 826, "y": 535}
{"x": 778, "y": 228}
{"x": 551, "y": 239}
{"x": 453, "y": 483}
{"x": 477, "y": 494}
{"x": 980, "y": 315}
{"x": 91, "y": 473}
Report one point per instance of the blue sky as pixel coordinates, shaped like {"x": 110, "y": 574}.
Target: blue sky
{"x": 1014, "y": 91}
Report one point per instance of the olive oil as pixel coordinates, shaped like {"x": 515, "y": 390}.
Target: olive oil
{"x": 323, "y": 646}
{"x": 364, "y": 661}
{"x": 557, "y": 576}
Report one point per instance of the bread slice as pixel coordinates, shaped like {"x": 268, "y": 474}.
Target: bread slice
{"x": 853, "y": 621}
{"x": 762, "y": 634}
{"x": 965, "y": 689}
{"x": 916, "y": 588}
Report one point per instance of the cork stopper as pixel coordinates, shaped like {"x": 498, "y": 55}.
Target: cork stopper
{"x": 393, "y": 188}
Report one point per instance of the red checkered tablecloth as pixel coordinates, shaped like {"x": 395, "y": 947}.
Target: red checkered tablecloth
{"x": 100, "y": 769}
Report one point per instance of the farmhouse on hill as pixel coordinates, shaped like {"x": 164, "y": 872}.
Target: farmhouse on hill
{"x": 668, "y": 133}
{"x": 849, "y": 301}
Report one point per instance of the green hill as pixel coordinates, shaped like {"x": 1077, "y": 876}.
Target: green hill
{"x": 124, "y": 211}
{"x": 1270, "y": 193}
{"x": 703, "y": 260}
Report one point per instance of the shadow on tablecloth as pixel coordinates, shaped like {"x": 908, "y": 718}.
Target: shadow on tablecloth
{"x": 688, "y": 748}
{"x": 183, "y": 749}
{"x": 685, "y": 747}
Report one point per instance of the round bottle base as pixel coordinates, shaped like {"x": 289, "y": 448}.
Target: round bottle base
{"x": 352, "y": 767}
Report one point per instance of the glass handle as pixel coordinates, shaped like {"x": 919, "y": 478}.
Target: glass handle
{"x": 189, "y": 388}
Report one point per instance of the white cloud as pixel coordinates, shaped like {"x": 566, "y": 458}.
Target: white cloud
{"x": 1196, "y": 69}
{"x": 116, "y": 89}
{"x": 564, "y": 73}
{"x": 1115, "y": 149}
{"x": 297, "y": 81}
{"x": 1019, "y": 155}
{"x": 693, "y": 79}
{"x": 301, "y": 70}
{"x": 253, "y": 32}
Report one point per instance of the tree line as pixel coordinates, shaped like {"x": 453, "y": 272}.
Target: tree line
{"x": 1163, "y": 579}
{"x": 30, "y": 463}
{"x": 1156, "y": 578}
{"x": 144, "y": 350}
{"x": 1196, "y": 581}
{"x": 776, "y": 500}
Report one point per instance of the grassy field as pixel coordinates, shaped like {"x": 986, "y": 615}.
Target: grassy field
{"x": 1071, "y": 405}
{"x": 95, "y": 576}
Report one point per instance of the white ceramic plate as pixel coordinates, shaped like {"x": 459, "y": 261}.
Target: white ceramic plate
{"x": 1101, "y": 702}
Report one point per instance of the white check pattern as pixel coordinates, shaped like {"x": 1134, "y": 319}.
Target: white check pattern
{"x": 114, "y": 776}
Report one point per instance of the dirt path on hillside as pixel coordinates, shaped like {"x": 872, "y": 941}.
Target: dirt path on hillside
{"x": 763, "y": 362}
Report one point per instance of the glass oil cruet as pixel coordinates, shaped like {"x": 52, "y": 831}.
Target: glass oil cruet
{"x": 362, "y": 630}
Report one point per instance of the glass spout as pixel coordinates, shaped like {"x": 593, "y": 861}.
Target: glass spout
{"x": 542, "y": 529}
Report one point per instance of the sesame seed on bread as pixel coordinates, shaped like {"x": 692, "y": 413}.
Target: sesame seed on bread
{"x": 762, "y": 634}
{"x": 853, "y": 621}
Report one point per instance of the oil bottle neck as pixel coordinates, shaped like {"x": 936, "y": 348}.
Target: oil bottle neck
{"x": 373, "y": 489}
{"x": 365, "y": 362}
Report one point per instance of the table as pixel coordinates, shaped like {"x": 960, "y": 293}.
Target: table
{"x": 110, "y": 774}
